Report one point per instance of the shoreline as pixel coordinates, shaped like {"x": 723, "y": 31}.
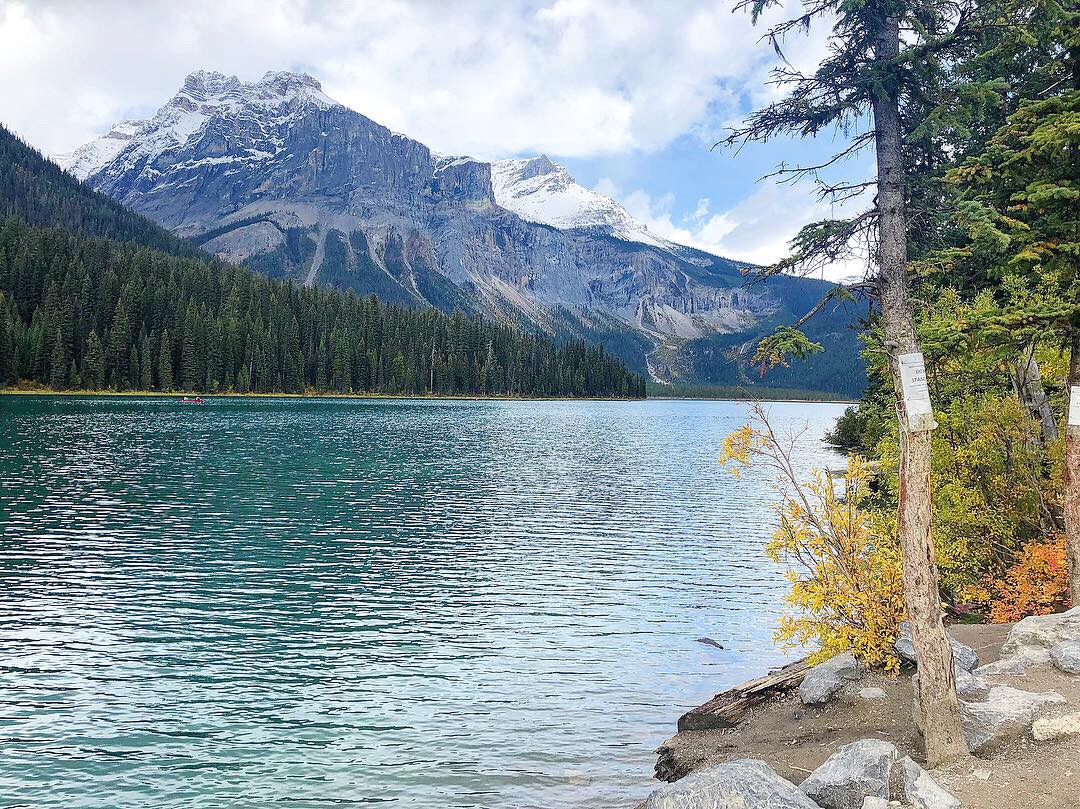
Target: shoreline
{"x": 401, "y": 396}
{"x": 313, "y": 395}
{"x": 765, "y": 719}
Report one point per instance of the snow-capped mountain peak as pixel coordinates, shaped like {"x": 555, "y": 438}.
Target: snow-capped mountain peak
{"x": 538, "y": 190}
{"x": 273, "y": 99}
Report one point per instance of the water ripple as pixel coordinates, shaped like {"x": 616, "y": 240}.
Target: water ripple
{"x": 341, "y": 603}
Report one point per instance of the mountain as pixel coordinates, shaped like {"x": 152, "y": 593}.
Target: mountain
{"x": 93, "y": 295}
{"x": 276, "y": 174}
{"x": 540, "y": 191}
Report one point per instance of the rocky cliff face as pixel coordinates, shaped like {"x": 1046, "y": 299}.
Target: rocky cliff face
{"x": 277, "y": 174}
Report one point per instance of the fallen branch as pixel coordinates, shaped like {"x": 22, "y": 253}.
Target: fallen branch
{"x": 727, "y": 709}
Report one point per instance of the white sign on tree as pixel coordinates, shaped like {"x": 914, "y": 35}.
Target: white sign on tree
{"x": 916, "y": 393}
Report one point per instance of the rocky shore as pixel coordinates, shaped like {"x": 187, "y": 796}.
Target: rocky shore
{"x": 837, "y": 737}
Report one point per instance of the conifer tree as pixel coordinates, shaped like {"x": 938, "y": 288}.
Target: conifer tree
{"x": 146, "y": 365}
{"x": 133, "y": 365}
{"x": 94, "y": 363}
{"x": 59, "y": 362}
{"x": 8, "y": 362}
{"x": 1019, "y": 203}
{"x": 165, "y": 363}
{"x": 884, "y": 55}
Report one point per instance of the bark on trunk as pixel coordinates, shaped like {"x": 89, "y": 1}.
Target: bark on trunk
{"x": 1028, "y": 384}
{"x": 1072, "y": 473}
{"x": 937, "y": 685}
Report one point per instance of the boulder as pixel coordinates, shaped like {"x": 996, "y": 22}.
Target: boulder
{"x": 964, "y": 657}
{"x": 1042, "y": 631}
{"x": 740, "y": 784}
{"x": 825, "y": 679}
{"x": 1016, "y": 664}
{"x": 1048, "y": 728}
{"x": 851, "y": 773}
{"x": 922, "y": 791}
{"x": 1066, "y": 656}
{"x": 1007, "y": 713}
{"x": 971, "y": 687}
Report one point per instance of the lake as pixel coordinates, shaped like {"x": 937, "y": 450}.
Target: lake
{"x": 332, "y": 602}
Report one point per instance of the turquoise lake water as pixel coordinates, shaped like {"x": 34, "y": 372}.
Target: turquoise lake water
{"x": 338, "y": 603}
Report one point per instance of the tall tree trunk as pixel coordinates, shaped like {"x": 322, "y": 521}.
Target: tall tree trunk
{"x": 937, "y": 684}
{"x": 1072, "y": 471}
{"x": 1028, "y": 384}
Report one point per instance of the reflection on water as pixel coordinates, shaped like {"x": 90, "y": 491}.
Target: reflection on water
{"x": 337, "y": 603}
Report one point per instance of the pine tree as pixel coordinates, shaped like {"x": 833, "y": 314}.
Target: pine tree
{"x": 133, "y": 365}
{"x": 94, "y": 363}
{"x": 1019, "y": 204}
{"x": 146, "y": 365}
{"x": 871, "y": 73}
{"x": 118, "y": 357}
{"x": 59, "y": 362}
{"x": 8, "y": 360}
{"x": 165, "y": 363}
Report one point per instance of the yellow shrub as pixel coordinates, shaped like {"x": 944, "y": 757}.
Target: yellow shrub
{"x": 844, "y": 568}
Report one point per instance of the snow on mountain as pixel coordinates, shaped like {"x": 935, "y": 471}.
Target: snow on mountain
{"x": 271, "y": 101}
{"x": 538, "y": 190}
{"x": 91, "y": 157}
{"x": 276, "y": 174}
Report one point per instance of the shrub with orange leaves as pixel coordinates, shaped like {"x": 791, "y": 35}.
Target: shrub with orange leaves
{"x": 1037, "y": 584}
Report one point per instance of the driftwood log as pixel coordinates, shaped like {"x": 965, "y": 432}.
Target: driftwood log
{"x": 727, "y": 709}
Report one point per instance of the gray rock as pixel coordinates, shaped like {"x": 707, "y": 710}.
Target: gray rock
{"x": 874, "y": 802}
{"x": 1042, "y": 631}
{"x": 740, "y": 784}
{"x": 851, "y": 773}
{"x": 1066, "y": 656}
{"x": 1048, "y": 728}
{"x": 1016, "y": 664}
{"x": 904, "y": 645}
{"x": 970, "y": 686}
{"x": 873, "y": 693}
{"x": 825, "y": 679}
{"x": 1007, "y": 713}
{"x": 964, "y": 657}
{"x": 922, "y": 791}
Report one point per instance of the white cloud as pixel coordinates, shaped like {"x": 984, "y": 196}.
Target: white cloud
{"x": 570, "y": 77}
{"x": 582, "y": 78}
{"x": 758, "y": 229}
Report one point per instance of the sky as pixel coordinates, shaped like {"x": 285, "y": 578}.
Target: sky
{"x": 630, "y": 95}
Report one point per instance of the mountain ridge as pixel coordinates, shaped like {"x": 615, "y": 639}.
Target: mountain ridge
{"x": 277, "y": 174}
{"x": 94, "y": 297}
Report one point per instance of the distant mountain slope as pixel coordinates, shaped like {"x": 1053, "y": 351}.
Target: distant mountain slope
{"x": 277, "y": 174}
{"x": 38, "y": 192}
{"x": 538, "y": 190}
{"x": 78, "y": 310}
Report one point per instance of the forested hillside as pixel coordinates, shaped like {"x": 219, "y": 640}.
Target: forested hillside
{"x": 36, "y": 191}
{"x": 93, "y": 296}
